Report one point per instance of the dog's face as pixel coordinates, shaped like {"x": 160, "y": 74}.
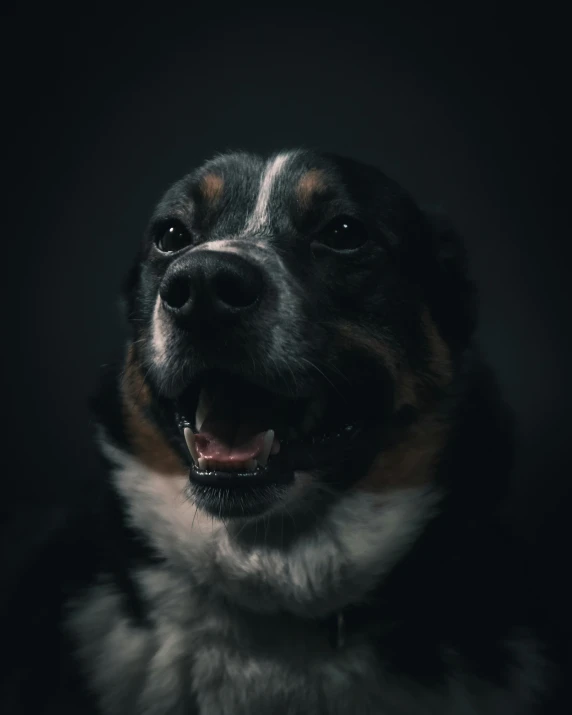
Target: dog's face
{"x": 291, "y": 320}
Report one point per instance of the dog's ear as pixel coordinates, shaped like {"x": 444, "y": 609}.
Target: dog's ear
{"x": 451, "y": 292}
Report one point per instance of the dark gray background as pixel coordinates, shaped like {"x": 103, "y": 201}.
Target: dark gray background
{"x": 464, "y": 108}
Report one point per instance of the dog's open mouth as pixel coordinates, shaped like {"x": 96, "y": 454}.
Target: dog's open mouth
{"x": 241, "y": 434}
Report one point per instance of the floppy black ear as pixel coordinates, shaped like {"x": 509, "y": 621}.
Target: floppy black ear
{"x": 450, "y": 292}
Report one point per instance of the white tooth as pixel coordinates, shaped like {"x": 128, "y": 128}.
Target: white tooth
{"x": 202, "y": 409}
{"x": 202, "y": 463}
{"x": 190, "y": 440}
{"x": 268, "y": 440}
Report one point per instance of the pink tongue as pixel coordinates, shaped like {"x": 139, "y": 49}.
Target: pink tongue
{"x": 226, "y": 440}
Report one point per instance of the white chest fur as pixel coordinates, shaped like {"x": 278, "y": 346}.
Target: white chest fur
{"x": 202, "y": 656}
{"x": 248, "y": 658}
{"x": 228, "y": 661}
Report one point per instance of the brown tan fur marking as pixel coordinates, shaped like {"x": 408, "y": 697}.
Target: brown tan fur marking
{"x": 412, "y": 461}
{"x": 440, "y": 363}
{"x": 147, "y": 442}
{"x": 211, "y": 187}
{"x": 311, "y": 183}
{"x": 405, "y": 381}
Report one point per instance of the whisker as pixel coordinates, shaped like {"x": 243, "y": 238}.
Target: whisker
{"x": 323, "y": 375}
{"x": 243, "y": 526}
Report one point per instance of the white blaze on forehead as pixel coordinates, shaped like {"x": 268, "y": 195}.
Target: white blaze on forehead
{"x": 232, "y": 245}
{"x": 159, "y": 333}
{"x": 225, "y": 244}
{"x": 259, "y": 217}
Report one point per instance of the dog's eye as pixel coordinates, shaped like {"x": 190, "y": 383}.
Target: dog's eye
{"x": 173, "y": 238}
{"x": 343, "y": 234}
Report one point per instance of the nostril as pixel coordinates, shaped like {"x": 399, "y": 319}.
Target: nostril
{"x": 177, "y": 292}
{"x": 235, "y": 291}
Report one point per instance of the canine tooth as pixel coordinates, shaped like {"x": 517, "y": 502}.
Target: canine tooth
{"x": 190, "y": 440}
{"x": 202, "y": 409}
{"x": 202, "y": 463}
{"x": 268, "y": 440}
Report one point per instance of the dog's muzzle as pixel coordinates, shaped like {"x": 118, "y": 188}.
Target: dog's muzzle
{"x": 241, "y": 432}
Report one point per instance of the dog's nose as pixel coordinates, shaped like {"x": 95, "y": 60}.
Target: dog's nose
{"x": 211, "y": 284}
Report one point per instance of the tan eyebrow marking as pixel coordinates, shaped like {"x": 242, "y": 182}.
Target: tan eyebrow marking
{"x": 211, "y": 187}
{"x": 312, "y": 182}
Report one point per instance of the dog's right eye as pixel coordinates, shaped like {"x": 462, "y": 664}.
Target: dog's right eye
{"x": 173, "y": 238}
{"x": 344, "y": 233}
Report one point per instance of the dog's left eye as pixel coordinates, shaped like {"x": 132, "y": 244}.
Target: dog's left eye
{"x": 173, "y": 238}
{"x": 343, "y": 234}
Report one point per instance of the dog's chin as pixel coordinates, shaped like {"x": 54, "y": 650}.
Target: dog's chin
{"x": 283, "y": 444}
{"x": 240, "y": 502}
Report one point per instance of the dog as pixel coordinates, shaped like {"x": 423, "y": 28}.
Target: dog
{"x": 308, "y": 462}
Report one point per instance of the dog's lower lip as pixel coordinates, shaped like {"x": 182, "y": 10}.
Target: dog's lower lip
{"x": 230, "y": 479}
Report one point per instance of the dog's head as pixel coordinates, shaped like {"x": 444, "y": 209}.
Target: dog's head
{"x": 291, "y": 320}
